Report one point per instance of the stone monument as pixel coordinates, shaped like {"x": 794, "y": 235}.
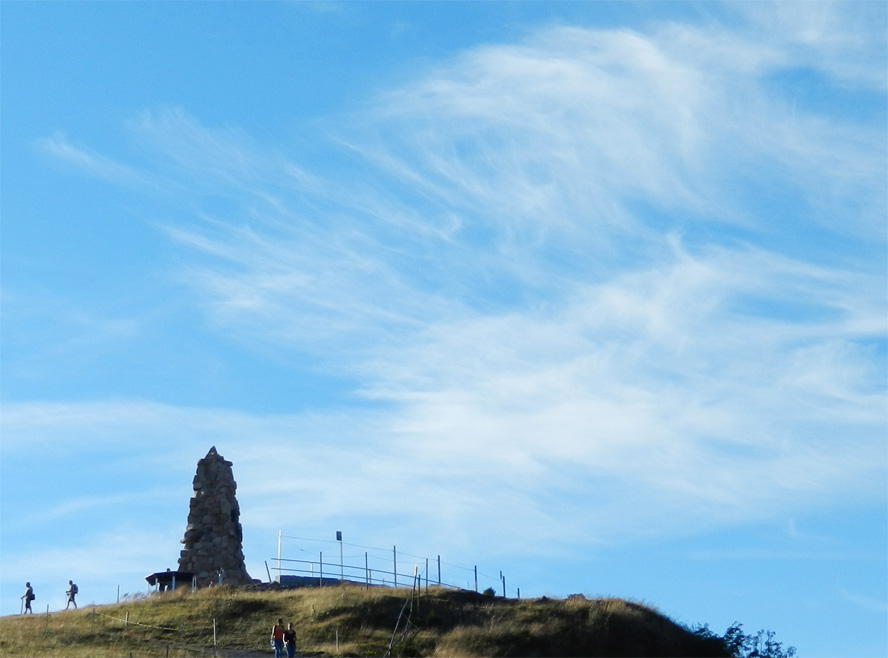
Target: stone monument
{"x": 214, "y": 537}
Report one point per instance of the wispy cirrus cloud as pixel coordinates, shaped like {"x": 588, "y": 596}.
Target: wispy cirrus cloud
{"x": 61, "y": 148}
{"x": 557, "y": 266}
{"x": 865, "y": 603}
{"x": 564, "y": 131}
{"x": 824, "y": 36}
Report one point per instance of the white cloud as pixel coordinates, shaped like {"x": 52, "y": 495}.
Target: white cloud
{"x": 825, "y": 35}
{"x": 537, "y": 269}
{"x": 106, "y": 561}
{"x": 59, "y": 147}
{"x": 865, "y": 603}
{"x": 559, "y": 133}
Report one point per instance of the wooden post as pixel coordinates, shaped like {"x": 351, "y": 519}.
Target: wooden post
{"x": 321, "y": 577}
{"x": 476, "y": 577}
{"x": 367, "y": 569}
{"x": 395, "y": 553}
{"x": 439, "y": 571}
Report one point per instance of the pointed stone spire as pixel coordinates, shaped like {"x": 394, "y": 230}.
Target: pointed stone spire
{"x": 214, "y": 537}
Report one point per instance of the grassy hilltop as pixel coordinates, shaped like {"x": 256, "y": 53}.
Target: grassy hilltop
{"x": 365, "y": 622}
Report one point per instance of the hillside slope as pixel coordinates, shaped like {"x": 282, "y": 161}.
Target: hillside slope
{"x": 351, "y": 620}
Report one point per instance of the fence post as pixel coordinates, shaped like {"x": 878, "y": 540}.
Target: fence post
{"x": 395, "y": 553}
{"x": 439, "y": 571}
{"x": 341, "y": 562}
{"x": 476, "y": 577}
{"x": 367, "y": 569}
{"x": 321, "y": 577}
{"x": 427, "y": 576}
{"x": 280, "y": 535}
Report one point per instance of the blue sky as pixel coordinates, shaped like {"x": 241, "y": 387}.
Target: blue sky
{"x": 589, "y": 293}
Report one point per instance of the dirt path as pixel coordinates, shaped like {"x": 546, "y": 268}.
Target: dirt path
{"x": 238, "y": 653}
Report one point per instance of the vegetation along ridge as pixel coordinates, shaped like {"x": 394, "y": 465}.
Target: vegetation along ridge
{"x": 349, "y": 620}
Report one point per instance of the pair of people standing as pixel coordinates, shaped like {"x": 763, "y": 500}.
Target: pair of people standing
{"x": 282, "y": 639}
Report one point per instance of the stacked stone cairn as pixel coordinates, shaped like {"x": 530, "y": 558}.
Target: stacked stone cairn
{"x": 214, "y": 537}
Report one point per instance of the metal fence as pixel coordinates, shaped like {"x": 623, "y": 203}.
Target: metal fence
{"x": 373, "y": 566}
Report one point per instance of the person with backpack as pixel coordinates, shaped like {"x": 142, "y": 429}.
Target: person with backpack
{"x": 27, "y": 597}
{"x": 72, "y": 592}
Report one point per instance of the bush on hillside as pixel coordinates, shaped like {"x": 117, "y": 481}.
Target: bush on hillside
{"x": 742, "y": 645}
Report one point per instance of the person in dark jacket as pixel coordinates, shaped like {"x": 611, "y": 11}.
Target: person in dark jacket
{"x": 72, "y": 592}
{"x": 27, "y": 597}
{"x": 290, "y": 641}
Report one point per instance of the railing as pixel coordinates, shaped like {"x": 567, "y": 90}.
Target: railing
{"x": 374, "y": 567}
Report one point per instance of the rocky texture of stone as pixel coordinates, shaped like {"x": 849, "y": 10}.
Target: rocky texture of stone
{"x": 214, "y": 537}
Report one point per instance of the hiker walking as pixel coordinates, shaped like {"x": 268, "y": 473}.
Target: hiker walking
{"x": 27, "y": 597}
{"x": 290, "y": 641}
{"x": 72, "y": 592}
{"x": 277, "y": 638}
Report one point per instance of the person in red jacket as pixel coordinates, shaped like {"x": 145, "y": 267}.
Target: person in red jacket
{"x": 277, "y": 638}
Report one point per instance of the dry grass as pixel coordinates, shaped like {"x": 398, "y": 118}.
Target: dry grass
{"x": 350, "y": 621}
